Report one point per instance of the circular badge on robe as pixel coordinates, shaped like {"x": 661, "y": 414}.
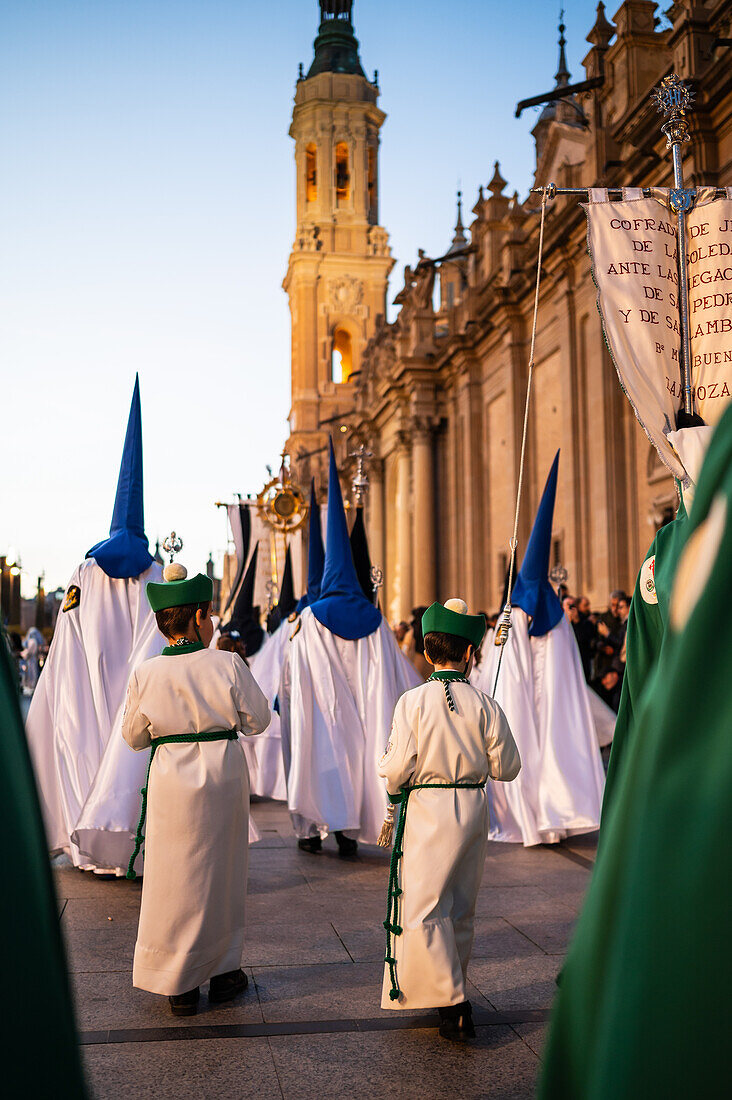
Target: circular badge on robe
{"x": 696, "y": 563}
{"x": 648, "y": 580}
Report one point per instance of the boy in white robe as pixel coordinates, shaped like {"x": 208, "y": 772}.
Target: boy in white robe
{"x": 447, "y": 740}
{"x": 189, "y": 704}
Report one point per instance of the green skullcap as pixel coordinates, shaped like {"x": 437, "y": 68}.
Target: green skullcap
{"x": 442, "y": 620}
{"x": 193, "y": 590}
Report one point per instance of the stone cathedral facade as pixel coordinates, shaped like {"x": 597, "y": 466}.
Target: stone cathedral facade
{"x": 437, "y": 394}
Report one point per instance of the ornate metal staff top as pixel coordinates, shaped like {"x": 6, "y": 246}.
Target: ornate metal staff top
{"x": 360, "y": 482}
{"x": 673, "y": 98}
{"x": 173, "y": 545}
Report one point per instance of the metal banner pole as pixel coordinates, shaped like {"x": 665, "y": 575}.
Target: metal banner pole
{"x": 673, "y": 98}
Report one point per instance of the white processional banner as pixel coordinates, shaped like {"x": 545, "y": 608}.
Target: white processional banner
{"x": 633, "y": 248}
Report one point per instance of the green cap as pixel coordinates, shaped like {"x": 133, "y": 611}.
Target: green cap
{"x": 445, "y": 620}
{"x": 194, "y": 590}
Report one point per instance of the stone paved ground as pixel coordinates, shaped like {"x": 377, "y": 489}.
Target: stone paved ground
{"x": 309, "y": 1025}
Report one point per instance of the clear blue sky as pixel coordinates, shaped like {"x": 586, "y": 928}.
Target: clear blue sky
{"x": 147, "y": 213}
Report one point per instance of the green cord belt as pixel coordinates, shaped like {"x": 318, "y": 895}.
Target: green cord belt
{"x": 390, "y": 924}
{"x": 172, "y": 739}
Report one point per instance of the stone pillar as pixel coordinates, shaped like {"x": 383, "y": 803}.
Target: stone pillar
{"x": 425, "y": 581}
{"x": 403, "y": 579}
{"x": 375, "y": 515}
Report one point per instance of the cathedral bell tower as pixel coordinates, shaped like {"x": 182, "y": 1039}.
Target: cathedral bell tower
{"x": 340, "y": 261}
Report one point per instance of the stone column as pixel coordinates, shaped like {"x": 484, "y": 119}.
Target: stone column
{"x": 375, "y": 515}
{"x": 425, "y": 581}
{"x": 403, "y": 580}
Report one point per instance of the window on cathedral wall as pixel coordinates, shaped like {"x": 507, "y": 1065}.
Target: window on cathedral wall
{"x": 556, "y": 552}
{"x": 373, "y": 211}
{"x": 311, "y": 173}
{"x": 342, "y": 356}
{"x": 342, "y": 173}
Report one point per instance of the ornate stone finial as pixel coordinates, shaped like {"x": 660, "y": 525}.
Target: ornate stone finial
{"x": 375, "y": 81}
{"x": 673, "y": 97}
{"x": 459, "y": 239}
{"x": 562, "y": 74}
{"x": 300, "y": 72}
{"x": 602, "y": 31}
{"x": 498, "y": 182}
{"x": 481, "y": 193}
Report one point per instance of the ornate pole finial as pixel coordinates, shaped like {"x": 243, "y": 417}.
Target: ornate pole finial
{"x": 173, "y": 545}
{"x": 360, "y": 483}
{"x": 673, "y": 97}
{"x": 377, "y": 579}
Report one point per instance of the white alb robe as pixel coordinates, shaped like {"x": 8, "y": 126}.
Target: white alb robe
{"x": 445, "y": 836}
{"x": 337, "y": 699}
{"x": 196, "y": 849}
{"x": 264, "y": 754}
{"x": 542, "y": 690}
{"x": 572, "y": 778}
{"x": 88, "y": 779}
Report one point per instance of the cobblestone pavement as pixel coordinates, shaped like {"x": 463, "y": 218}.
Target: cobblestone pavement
{"x": 310, "y": 1025}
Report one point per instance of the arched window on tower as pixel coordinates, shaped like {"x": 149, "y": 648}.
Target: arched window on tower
{"x": 342, "y": 356}
{"x": 343, "y": 175}
{"x": 311, "y": 173}
{"x": 373, "y": 207}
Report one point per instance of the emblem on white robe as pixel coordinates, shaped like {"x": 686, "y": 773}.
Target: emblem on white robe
{"x": 73, "y": 598}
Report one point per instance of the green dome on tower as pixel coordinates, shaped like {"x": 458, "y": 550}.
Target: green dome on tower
{"x": 336, "y": 47}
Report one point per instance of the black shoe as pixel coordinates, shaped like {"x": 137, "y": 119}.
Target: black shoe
{"x": 347, "y": 848}
{"x": 224, "y": 987}
{"x": 310, "y": 844}
{"x": 456, "y": 1022}
{"x": 184, "y": 1004}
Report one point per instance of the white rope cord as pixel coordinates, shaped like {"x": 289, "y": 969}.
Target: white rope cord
{"x": 504, "y": 623}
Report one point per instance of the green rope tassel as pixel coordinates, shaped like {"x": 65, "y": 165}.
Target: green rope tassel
{"x": 173, "y": 739}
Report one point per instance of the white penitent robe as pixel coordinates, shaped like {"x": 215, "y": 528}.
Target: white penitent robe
{"x": 445, "y": 835}
{"x": 542, "y": 690}
{"x": 514, "y": 807}
{"x": 264, "y": 754}
{"x": 89, "y": 781}
{"x": 196, "y": 851}
{"x": 572, "y": 778}
{"x": 337, "y": 702}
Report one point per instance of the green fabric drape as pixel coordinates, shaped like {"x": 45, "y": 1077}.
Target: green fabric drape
{"x": 642, "y": 1010}
{"x": 42, "y": 1047}
{"x": 644, "y": 639}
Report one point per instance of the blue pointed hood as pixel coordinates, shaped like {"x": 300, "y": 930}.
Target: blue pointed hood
{"x": 125, "y": 553}
{"x": 341, "y": 605}
{"x": 316, "y": 553}
{"x": 532, "y": 591}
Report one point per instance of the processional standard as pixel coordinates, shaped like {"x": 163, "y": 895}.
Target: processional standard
{"x": 662, "y": 263}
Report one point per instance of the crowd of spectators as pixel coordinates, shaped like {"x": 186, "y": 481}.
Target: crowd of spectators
{"x": 600, "y": 639}
{"x": 601, "y": 642}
